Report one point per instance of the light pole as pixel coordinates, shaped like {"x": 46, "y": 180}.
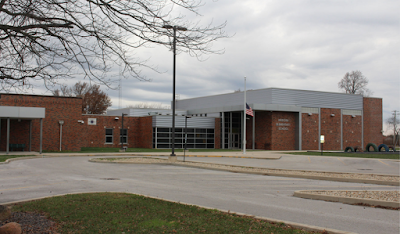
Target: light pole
{"x": 175, "y": 28}
{"x": 184, "y": 150}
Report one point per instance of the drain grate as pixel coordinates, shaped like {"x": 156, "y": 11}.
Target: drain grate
{"x": 110, "y": 178}
{"x": 365, "y": 169}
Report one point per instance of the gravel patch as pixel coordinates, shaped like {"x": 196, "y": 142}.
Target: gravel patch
{"x": 32, "y": 223}
{"x": 390, "y": 196}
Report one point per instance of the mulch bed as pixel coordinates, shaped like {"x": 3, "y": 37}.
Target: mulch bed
{"x": 33, "y": 223}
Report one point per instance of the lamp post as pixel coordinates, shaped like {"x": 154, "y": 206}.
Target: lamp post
{"x": 174, "y": 28}
{"x": 184, "y": 150}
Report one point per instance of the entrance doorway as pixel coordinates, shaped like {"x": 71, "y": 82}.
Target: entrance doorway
{"x": 235, "y": 141}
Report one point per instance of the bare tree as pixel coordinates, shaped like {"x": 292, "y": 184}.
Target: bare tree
{"x": 63, "y": 91}
{"x": 94, "y": 100}
{"x": 355, "y": 83}
{"x": 45, "y": 40}
{"x": 393, "y": 123}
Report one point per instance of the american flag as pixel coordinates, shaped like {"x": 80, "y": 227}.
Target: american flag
{"x": 249, "y": 111}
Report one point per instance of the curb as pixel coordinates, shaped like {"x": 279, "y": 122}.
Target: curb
{"x": 345, "y": 200}
{"x": 351, "y": 180}
{"x": 269, "y": 220}
{"x": 152, "y": 155}
{"x": 312, "y": 177}
{"x": 19, "y": 158}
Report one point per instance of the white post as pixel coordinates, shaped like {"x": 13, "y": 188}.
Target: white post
{"x": 244, "y": 118}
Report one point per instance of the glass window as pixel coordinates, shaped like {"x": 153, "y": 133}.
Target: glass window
{"x": 163, "y": 135}
{"x": 109, "y": 135}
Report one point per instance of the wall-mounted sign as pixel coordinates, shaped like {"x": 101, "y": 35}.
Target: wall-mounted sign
{"x": 283, "y": 126}
{"x": 92, "y": 121}
{"x": 322, "y": 139}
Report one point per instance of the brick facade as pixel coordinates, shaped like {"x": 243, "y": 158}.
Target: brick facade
{"x": 352, "y": 131}
{"x": 309, "y": 131}
{"x": 330, "y": 128}
{"x": 74, "y": 134}
{"x": 57, "y": 108}
{"x": 372, "y": 120}
{"x": 263, "y": 130}
{"x": 275, "y": 130}
{"x": 139, "y": 129}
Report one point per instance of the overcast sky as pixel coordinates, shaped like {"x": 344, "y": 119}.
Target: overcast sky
{"x": 296, "y": 44}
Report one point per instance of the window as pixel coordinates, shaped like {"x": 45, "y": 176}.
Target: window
{"x": 109, "y": 135}
{"x": 196, "y": 138}
{"x": 123, "y": 134}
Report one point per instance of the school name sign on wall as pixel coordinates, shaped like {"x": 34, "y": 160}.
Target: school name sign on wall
{"x": 283, "y": 124}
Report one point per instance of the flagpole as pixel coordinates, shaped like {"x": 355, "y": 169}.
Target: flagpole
{"x": 244, "y": 118}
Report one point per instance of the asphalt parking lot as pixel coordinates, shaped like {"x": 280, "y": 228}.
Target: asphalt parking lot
{"x": 266, "y": 196}
{"x": 313, "y": 163}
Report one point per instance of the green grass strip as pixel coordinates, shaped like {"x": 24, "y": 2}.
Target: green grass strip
{"x": 351, "y": 155}
{"x": 101, "y": 149}
{"x": 135, "y": 150}
{"x": 128, "y": 213}
{"x": 3, "y": 158}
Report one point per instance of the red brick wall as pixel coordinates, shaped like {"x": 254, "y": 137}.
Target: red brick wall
{"x": 283, "y": 132}
{"x": 330, "y": 128}
{"x": 272, "y": 134}
{"x": 74, "y": 134}
{"x": 249, "y": 132}
{"x": 352, "y": 131}
{"x": 217, "y": 133}
{"x": 372, "y": 121}
{"x": 57, "y": 108}
{"x": 309, "y": 132}
{"x": 19, "y": 133}
{"x": 140, "y": 131}
{"x": 263, "y": 130}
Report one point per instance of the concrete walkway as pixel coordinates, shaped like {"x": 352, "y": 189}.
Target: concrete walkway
{"x": 238, "y": 154}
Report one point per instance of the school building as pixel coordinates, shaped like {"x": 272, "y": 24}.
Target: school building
{"x": 283, "y": 119}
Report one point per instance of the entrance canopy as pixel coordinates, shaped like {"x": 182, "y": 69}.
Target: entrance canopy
{"x": 27, "y": 113}
{"x": 22, "y": 112}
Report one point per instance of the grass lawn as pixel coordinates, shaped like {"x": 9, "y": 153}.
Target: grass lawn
{"x": 352, "y": 155}
{"x": 128, "y": 213}
{"x": 3, "y": 158}
{"x": 135, "y": 150}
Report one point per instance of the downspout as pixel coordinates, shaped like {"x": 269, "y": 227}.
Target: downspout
{"x": 61, "y": 122}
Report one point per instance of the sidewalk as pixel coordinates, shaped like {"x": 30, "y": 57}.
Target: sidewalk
{"x": 230, "y": 154}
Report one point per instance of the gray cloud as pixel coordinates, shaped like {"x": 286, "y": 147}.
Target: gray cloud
{"x": 304, "y": 44}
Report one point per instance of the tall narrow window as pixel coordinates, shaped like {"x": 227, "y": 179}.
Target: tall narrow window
{"x": 123, "y": 136}
{"x": 109, "y": 135}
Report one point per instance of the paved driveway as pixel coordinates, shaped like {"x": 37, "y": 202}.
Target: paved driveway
{"x": 313, "y": 163}
{"x": 266, "y": 196}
